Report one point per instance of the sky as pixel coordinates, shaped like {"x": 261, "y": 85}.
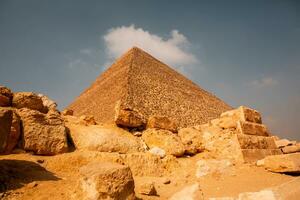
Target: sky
{"x": 244, "y": 52}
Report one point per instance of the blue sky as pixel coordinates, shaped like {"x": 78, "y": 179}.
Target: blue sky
{"x": 245, "y": 52}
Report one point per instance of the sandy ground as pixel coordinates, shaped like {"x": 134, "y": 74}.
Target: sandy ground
{"x": 27, "y": 177}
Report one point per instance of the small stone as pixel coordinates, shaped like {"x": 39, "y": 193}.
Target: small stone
{"x": 147, "y": 188}
{"x": 158, "y": 151}
{"x": 166, "y": 181}
{"x": 32, "y": 184}
{"x": 40, "y": 161}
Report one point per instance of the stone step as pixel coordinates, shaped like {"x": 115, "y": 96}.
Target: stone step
{"x": 243, "y": 113}
{"x": 256, "y": 142}
{"x": 252, "y": 155}
{"x": 250, "y": 128}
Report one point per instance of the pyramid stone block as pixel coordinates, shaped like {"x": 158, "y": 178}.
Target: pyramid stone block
{"x": 256, "y": 142}
{"x": 243, "y": 114}
{"x": 250, "y": 128}
{"x": 144, "y": 85}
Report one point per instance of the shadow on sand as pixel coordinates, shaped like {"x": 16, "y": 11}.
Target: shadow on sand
{"x": 16, "y": 173}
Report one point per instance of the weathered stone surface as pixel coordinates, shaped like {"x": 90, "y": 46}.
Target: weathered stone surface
{"x": 256, "y": 142}
{"x": 48, "y": 103}
{"x": 15, "y": 132}
{"x": 250, "y": 128}
{"x": 243, "y": 114}
{"x": 289, "y": 190}
{"x": 87, "y": 120}
{"x": 224, "y": 122}
{"x": 103, "y": 138}
{"x": 165, "y": 140}
{"x": 192, "y": 140}
{"x": 212, "y": 166}
{"x": 291, "y": 149}
{"x": 4, "y": 101}
{"x": 67, "y": 112}
{"x": 283, "y": 163}
{"x": 128, "y": 118}
{"x": 284, "y": 142}
{"x": 146, "y": 188}
{"x": 43, "y": 134}
{"x": 28, "y": 100}
{"x": 5, "y": 96}
{"x": 106, "y": 181}
{"x": 162, "y": 122}
{"x": 6, "y": 116}
{"x": 158, "y": 151}
{"x": 252, "y": 155}
{"x": 191, "y": 192}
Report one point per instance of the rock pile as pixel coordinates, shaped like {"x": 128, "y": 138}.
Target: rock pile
{"x": 238, "y": 135}
{"x": 35, "y": 118}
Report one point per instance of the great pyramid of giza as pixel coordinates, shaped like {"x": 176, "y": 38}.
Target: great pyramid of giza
{"x": 139, "y": 82}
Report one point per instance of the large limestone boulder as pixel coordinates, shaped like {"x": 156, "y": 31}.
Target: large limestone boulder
{"x": 283, "y": 163}
{"x": 165, "y": 140}
{"x": 103, "y": 138}
{"x": 6, "y": 116}
{"x": 5, "y": 96}
{"x": 291, "y": 149}
{"x": 48, "y": 103}
{"x": 284, "y": 142}
{"x": 127, "y": 117}
{"x": 243, "y": 113}
{"x": 192, "y": 140}
{"x": 28, "y": 100}
{"x": 161, "y": 122}
{"x": 15, "y": 132}
{"x": 101, "y": 180}
{"x": 43, "y": 133}
{"x": 250, "y": 128}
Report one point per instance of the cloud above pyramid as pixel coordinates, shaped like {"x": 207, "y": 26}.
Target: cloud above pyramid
{"x": 174, "y": 50}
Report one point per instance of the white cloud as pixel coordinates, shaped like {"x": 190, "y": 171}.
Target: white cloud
{"x": 173, "y": 50}
{"x": 264, "y": 82}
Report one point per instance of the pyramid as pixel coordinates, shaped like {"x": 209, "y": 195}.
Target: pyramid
{"x": 139, "y": 82}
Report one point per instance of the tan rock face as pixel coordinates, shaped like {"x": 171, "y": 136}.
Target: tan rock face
{"x": 67, "y": 112}
{"x": 192, "y": 140}
{"x": 106, "y": 181}
{"x": 284, "y": 142}
{"x": 291, "y": 149}
{"x": 28, "y": 100}
{"x": 48, "y": 103}
{"x": 283, "y": 163}
{"x": 165, "y": 140}
{"x": 4, "y": 101}
{"x": 103, "y": 138}
{"x": 43, "y": 134}
{"x": 14, "y": 134}
{"x": 161, "y": 122}
{"x": 128, "y": 118}
{"x": 5, "y": 96}
{"x": 243, "y": 114}
{"x": 256, "y": 142}
{"x": 250, "y": 128}
{"x": 87, "y": 120}
{"x": 6, "y": 116}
